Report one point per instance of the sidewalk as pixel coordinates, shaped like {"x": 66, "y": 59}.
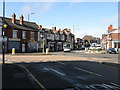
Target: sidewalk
{"x": 14, "y": 77}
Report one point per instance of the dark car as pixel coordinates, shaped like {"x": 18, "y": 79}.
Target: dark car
{"x": 111, "y": 50}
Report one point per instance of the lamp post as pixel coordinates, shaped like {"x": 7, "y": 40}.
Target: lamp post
{"x": 74, "y": 28}
{"x": 74, "y": 31}
{"x": 3, "y": 42}
{"x": 29, "y": 16}
{"x": 3, "y": 34}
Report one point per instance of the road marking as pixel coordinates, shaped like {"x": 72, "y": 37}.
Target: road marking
{"x": 111, "y": 86}
{"x": 32, "y": 77}
{"x": 87, "y": 71}
{"x": 62, "y": 74}
{"x": 61, "y": 63}
{"x": 46, "y": 69}
{"x": 115, "y": 84}
{"x": 102, "y": 86}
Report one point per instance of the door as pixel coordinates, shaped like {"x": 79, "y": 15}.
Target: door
{"x": 23, "y": 47}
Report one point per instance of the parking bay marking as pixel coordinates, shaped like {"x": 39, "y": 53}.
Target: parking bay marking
{"x": 87, "y": 71}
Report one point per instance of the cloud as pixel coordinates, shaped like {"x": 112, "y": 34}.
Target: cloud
{"x": 111, "y": 20}
{"x": 26, "y": 9}
{"x": 46, "y": 7}
{"x": 39, "y": 8}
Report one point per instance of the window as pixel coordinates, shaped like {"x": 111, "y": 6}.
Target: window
{"x": 24, "y": 34}
{"x": 57, "y": 36}
{"x": 62, "y": 37}
{"x": 32, "y": 35}
{"x": 14, "y": 33}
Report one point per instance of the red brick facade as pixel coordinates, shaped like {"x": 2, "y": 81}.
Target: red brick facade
{"x": 112, "y": 38}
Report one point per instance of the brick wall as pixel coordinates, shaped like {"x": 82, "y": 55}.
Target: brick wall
{"x": 115, "y": 36}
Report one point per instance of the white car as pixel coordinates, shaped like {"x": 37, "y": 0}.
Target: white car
{"x": 66, "y": 49}
{"x": 96, "y": 47}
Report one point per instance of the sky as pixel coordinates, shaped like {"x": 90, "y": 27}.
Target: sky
{"x": 85, "y": 18}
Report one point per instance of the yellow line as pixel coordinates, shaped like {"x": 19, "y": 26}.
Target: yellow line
{"x": 33, "y": 77}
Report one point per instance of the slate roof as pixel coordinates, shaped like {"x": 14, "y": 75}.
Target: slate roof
{"x": 26, "y": 25}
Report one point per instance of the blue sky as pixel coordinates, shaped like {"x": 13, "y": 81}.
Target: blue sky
{"x": 88, "y": 18}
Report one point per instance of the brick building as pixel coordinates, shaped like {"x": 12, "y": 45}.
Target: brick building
{"x": 27, "y": 36}
{"x": 111, "y": 39}
{"x": 20, "y": 34}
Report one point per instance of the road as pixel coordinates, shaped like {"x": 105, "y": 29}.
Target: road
{"x": 76, "y": 74}
{"x": 52, "y": 71}
{"x": 112, "y": 58}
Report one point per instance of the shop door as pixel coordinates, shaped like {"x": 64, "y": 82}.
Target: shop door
{"x": 23, "y": 47}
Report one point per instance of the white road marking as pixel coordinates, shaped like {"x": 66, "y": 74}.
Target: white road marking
{"x": 94, "y": 86}
{"x": 110, "y": 86}
{"x": 48, "y": 69}
{"x": 62, "y": 74}
{"x": 87, "y": 71}
{"x": 61, "y": 63}
{"x": 115, "y": 84}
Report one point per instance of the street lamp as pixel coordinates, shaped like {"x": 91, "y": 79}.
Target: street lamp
{"x": 29, "y": 16}
{"x": 3, "y": 34}
{"x": 74, "y": 28}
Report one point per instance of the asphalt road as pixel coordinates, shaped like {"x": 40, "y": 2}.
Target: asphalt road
{"x": 113, "y": 58}
{"x": 77, "y": 74}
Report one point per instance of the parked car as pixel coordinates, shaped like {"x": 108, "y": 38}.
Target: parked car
{"x": 111, "y": 50}
{"x": 96, "y": 47}
{"x": 66, "y": 49}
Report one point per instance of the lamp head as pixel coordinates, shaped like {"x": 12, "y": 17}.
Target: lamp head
{"x": 5, "y": 25}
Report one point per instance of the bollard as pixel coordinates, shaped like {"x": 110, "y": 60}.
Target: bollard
{"x": 13, "y": 50}
{"x": 47, "y": 50}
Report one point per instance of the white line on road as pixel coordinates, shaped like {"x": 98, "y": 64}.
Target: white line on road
{"x": 61, "y": 63}
{"x": 57, "y": 72}
{"x": 115, "y": 84}
{"x": 111, "y": 86}
{"x": 87, "y": 71}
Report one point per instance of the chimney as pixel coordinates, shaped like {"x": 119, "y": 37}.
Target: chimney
{"x": 54, "y": 28}
{"x": 13, "y": 18}
{"x": 111, "y": 27}
{"x": 40, "y": 26}
{"x": 108, "y": 28}
{"x": 21, "y": 19}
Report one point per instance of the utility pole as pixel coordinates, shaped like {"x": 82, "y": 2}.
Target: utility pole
{"x": 3, "y": 42}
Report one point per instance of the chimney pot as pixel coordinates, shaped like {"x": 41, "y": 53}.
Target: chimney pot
{"x": 21, "y": 19}
{"x": 13, "y": 18}
{"x": 54, "y": 28}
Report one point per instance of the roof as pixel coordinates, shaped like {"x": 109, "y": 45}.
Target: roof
{"x": 26, "y": 25}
